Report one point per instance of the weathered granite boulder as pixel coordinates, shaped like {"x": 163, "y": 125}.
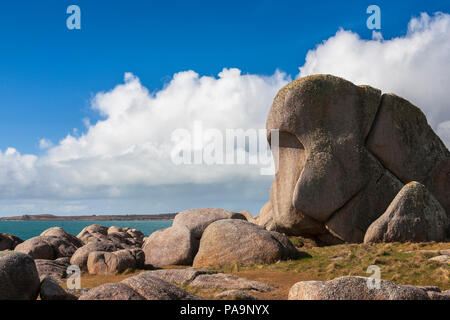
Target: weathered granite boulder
{"x": 51, "y": 290}
{"x": 171, "y": 246}
{"x": 144, "y": 286}
{"x": 9, "y": 241}
{"x": 47, "y": 247}
{"x": 55, "y": 269}
{"x": 354, "y": 288}
{"x": 196, "y": 220}
{"x": 226, "y": 242}
{"x": 19, "y": 279}
{"x": 340, "y": 157}
{"x": 206, "y": 279}
{"x": 179, "y": 277}
{"x": 226, "y": 281}
{"x": 130, "y": 237}
{"x": 37, "y": 248}
{"x": 100, "y": 262}
{"x": 125, "y": 237}
{"x": 265, "y": 218}
{"x": 414, "y": 215}
{"x": 407, "y": 146}
{"x": 93, "y": 232}
{"x": 60, "y": 233}
{"x": 80, "y": 257}
{"x": 153, "y": 288}
{"x": 111, "y": 291}
{"x": 178, "y": 244}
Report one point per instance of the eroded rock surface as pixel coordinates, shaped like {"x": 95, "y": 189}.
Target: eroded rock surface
{"x": 55, "y": 269}
{"x": 345, "y": 151}
{"x": 19, "y": 279}
{"x": 179, "y": 244}
{"x": 414, "y": 215}
{"x": 204, "y": 279}
{"x": 9, "y": 241}
{"x": 100, "y": 262}
{"x": 354, "y": 288}
{"x": 144, "y": 286}
{"x": 226, "y": 242}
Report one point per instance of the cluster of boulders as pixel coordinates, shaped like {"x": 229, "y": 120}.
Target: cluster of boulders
{"x": 215, "y": 237}
{"x": 199, "y": 237}
{"x": 38, "y": 265}
{"x": 355, "y": 165}
{"x": 54, "y": 250}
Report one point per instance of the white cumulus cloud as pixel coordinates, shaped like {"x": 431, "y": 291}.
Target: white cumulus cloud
{"x": 415, "y": 66}
{"x": 131, "y": 147}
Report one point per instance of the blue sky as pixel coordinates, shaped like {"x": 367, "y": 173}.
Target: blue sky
{"x": 49, "y": 74}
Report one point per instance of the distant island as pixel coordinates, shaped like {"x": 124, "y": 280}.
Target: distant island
{"x": 128, "y": 217}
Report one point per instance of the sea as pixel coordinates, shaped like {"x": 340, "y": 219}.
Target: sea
{"x": 28, "y": 229}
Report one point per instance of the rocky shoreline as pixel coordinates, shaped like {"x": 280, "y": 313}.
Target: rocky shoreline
{"x": 199, "y": 241}
{"x": 129, "y": 217}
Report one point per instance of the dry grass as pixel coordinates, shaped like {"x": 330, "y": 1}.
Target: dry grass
{"x": 402, "y": 263}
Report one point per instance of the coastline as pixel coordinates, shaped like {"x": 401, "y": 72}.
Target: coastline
{"x": 49, "y": 217}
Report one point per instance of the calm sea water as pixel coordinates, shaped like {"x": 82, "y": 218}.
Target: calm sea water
{"x": 29, "y": 229}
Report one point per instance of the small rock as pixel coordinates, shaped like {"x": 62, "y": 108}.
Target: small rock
{"x": 444, "y": 259}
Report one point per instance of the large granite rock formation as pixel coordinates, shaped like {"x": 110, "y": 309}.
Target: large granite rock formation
{"x": 345, "y": 151}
